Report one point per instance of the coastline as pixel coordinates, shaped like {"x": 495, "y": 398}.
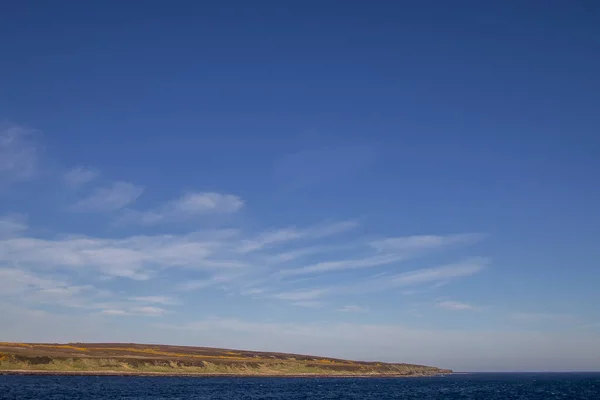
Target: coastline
{"x": 25, "y": 372}
{"x": 131, "y": 359}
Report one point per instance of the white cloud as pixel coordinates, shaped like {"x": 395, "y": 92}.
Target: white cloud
{"x": 301, "y": 295}
{"x": 284, "y": 235}
{"x": 35, "y": 289}
{"x": 165, "y": 300}
{"x": 211, "y": 259}
{"x": 307, "y": 303}
{"x": 352, "y": 308}
{"x": 14, "y": 281}
{"x": 80, "y": 175}
{"x": 328, "y": 266}
{"x": 381, "y": 283}
{"x": 197, "y": 203}
{"x": 147, "y": 311}
{"x": 216, "y": 279}
{"x": 438, "y": 274}
{"x": 188, "y": 206}
{"x": 536, "y": 317}
{"x": 270, "y": 238}
{"x": 423, "y": 242}
{"x": 388, "y": 251}
{"x": 252, "y": 291}
{"x": 114, "y": 312}
{"x": 135, "y": 257}
{"x": 12, "y": 225}
{"x": 19, "y": 153}
{"x": 455, "y": 306}
{"x": 114, "y": 197}
{"x": 229, "y": 259}
{"x": 287, "y": 256}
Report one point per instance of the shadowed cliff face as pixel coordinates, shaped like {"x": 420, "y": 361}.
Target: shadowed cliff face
{"x": 141, "y": 358}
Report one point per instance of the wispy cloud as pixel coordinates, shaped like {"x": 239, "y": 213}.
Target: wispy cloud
{"x": 389, "y": 250}
{"x": 213, "y": 259}
{"x": 456, "y": 306}
{"x": 111, "y": 311}
{"x": 327, "y": 266}
{"x": 424, "y": 242}
{"x": 113, "y": 197}
{"x": 165, "y": 300}
{"x": 439, "y": 274}
{"x": 415, "y": 278}
{"x": 80, "y": 175}
{"x": 194, "y": 203}
{"x": 36, "y": 289}
{"x": 19, "y": 153}
{"x": 147, "y": 311}
{"x": 262, "y": 263}
{"x": 290, "y": 234}
{"x": 291, "y": 255}
{"x": 424, "y": 277}
{"x": 307, "y": 303}
{"x": 16, "y": 281}
{"x": 218, "y": 278}
{"x": 12, "y": 224}
{"x": 301, "y": 295}
{"x": 76, "y": 274}
{"x": 536, "y": 317}
{"x": 352, "y": 308}
{"x": 135, "y": 257}
{"x": 252, "y": 291}
{"x": 188, "y": 206}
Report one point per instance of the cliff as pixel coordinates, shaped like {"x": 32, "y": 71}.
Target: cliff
{"x": 140, "y": 359}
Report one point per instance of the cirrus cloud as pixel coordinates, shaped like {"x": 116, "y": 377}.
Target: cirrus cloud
{"x": 110, "y": 198}
{"x": 19, "y": 153}
{"x": 187, "y": 206}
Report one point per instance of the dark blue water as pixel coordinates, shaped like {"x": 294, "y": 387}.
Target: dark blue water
{"x": 477, "y": 386}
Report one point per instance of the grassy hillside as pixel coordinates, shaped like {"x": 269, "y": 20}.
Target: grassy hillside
{"x": 141, "y": 358}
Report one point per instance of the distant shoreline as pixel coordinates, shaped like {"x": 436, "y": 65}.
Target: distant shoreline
{"x": 131, "y": 359}
{"x": 25, "y": 372}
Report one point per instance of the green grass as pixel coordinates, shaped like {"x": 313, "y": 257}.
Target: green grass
{"x": 288, "y": 367}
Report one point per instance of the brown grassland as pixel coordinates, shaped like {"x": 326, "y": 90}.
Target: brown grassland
{"x": 140, "y": 359}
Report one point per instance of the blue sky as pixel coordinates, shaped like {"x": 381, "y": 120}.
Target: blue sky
{"x": 402, "y": 181}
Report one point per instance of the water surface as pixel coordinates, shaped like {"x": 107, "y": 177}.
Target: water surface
{"x": 579, "y": 386}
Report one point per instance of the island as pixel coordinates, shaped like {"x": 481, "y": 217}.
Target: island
{"x": 152, "y": 359}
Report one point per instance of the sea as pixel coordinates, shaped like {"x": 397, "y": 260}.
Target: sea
{"x": 568, "y": 386}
